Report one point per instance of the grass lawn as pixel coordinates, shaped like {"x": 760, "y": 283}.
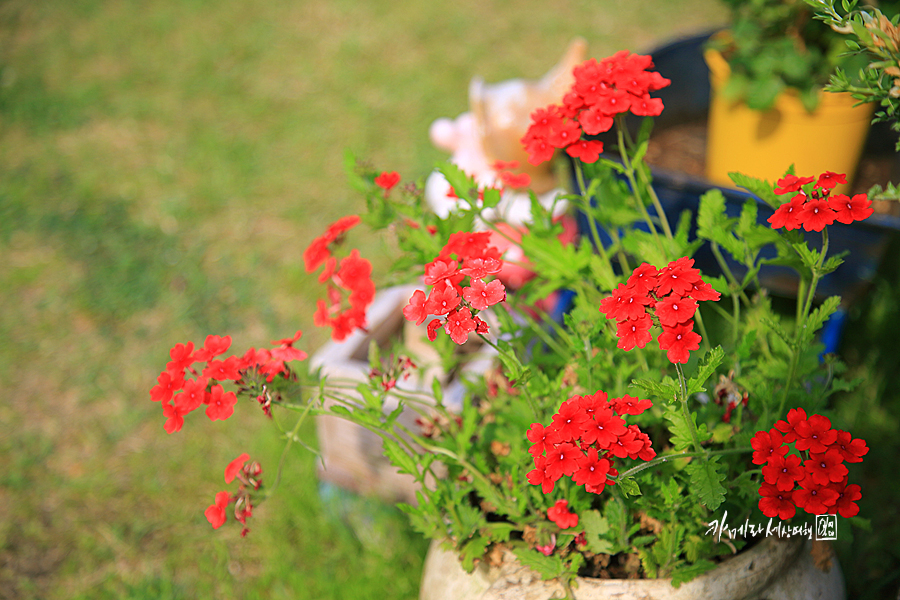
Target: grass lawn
{"x": 163, "y": 164}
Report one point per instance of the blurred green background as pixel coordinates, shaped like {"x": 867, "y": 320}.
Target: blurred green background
{"x": 163, "y": 164}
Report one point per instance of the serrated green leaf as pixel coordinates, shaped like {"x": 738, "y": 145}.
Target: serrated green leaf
{"x": 472, "y": 551}
{"x": 819, "y": 315}
{"x": 705, "y": 369}
{"x": 706, "y": 481}
{"x": 714, "y": 225}
{"x": 685, "y": 573}
{"x": 665, "y": 390}
{"x": 548, "y": 567}
{"x": 399, "y": 458}
{"x": 758, "y": 187}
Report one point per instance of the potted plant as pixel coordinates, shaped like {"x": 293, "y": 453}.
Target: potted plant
{"x": 767, "y": 72}
{"x": 674, "y": 428}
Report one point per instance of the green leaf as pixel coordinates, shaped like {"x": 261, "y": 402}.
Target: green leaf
{"x": 595, "y": 528}
{"x": 472, "y": 551}
{"x": 685, "y": 573}
{"x": 713, "y": 223}
{"x": 760, "y": 188}
{"x": 705, "y": 369}
{"x": 548, "y": 567}
{"x": 629, "y": 487}
{"x": 399, "y": 458}
{"x": 681, "y": 432}
{"x": 819, "y": 315}
{"x": 666, "y": 390}
{"x": 706, "y": 481}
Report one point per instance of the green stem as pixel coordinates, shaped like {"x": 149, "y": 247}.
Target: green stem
{"x": 586, "y": 206}
{"x": 682, "y": 398}
{"x": 801, "y": 325}
{"x": 662, "y": 459}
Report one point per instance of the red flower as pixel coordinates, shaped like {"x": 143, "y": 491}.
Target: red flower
{"x": 543, "y": 438}
{"x": 563, "y": 460}
{"x": 615, "y": 101}
{"x": 852, "y": 450}
{"x": 847, "y": 210}
{"x": 845, "y": 505}
{"x": 286, "y": 351}
{"x": 815, "y": 499}
{"x": 439, "y": 270}
{"x": 673, "y": 310}
{"x": 788, "y": 428}
{"x": 645, "y": 106}
{"x": 767, "y": 445}
{"x": 829, "y": 180}
{"x": 215, "y": 514}
{"x": 816, "y": 214}
{"x": 788, "y": 214}
{"x": 627, "y": 444}
{"x": 545, "y": 120}
{"x": 539, "y": 149}
{"x": 569, "y": 418}
{"x": 223, "y": 370}
{"x": 182, "y": 358}
{"x": 594, "y": 121}
{"x": 827, "y": 467}
{"x": 587, "y": 151}
{"x": 539, "y": 475}
{"x": 192, "y": 395}
{"x": 783, "y": 471}
{"x": 442, "y": 300}
{"x": 479, "y": 268}
{"x": 432, "y": 328}
{"x": 627, "y": 405}
{"x": 791, "y": 183}
{"x": 387, "y": 180}
{"x": 174, "y": 418}
{"x": 567, "y": 133}
{"x": 480, "y": 295}
{"x": 559, "y": 513}
{"x": 459, "y": 325}
{"x": 235, "y": 466}
{"x": 415, "y": 310}
{"x": 678, "y": 277}
{"x": 214, "y": 346}
{"x": 221, "y": 404}
{"x": 814, "y": 434}
{"x": 644, "y": 279}
{"x": 634, "y": 332}
{"x": 167, "y": 385}
{"x": 776, "y": 503}
{"x": 678, "y": 341}
{"x": 604, "y": 429}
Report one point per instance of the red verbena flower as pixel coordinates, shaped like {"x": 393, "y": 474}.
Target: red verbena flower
{"x": 215, "y": 514}
{"x": 679, "y": 341}
{"x": 776, "y": 503}
{"x": 387, "y": 180}
{"x": 235, "y": 466}
{"x": 560, "y": 514}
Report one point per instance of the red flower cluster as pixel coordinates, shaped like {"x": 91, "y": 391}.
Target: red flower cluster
{"x": 248, "y": 474}
{"x": 667, "y": 297}
{"x": 353, "y": 275}
{"x": 465, "y": 255}
{"x": 560, "y": 514}
{"x": 815, "y": 208}
{"x": 584, "y": 438}
{"x": 399, "y": 367}
{"x": 617, "y": 84}
{"x": 180, "y": 395}
{"x": 817, "y": 469}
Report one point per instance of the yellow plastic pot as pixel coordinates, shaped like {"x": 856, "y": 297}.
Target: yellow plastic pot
{"x": 765, "y": 143}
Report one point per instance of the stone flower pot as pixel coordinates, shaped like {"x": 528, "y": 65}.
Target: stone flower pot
{"x": 773, "y": 569}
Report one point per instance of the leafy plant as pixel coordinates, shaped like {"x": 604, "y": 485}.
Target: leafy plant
{"x": 584, "y": 449}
